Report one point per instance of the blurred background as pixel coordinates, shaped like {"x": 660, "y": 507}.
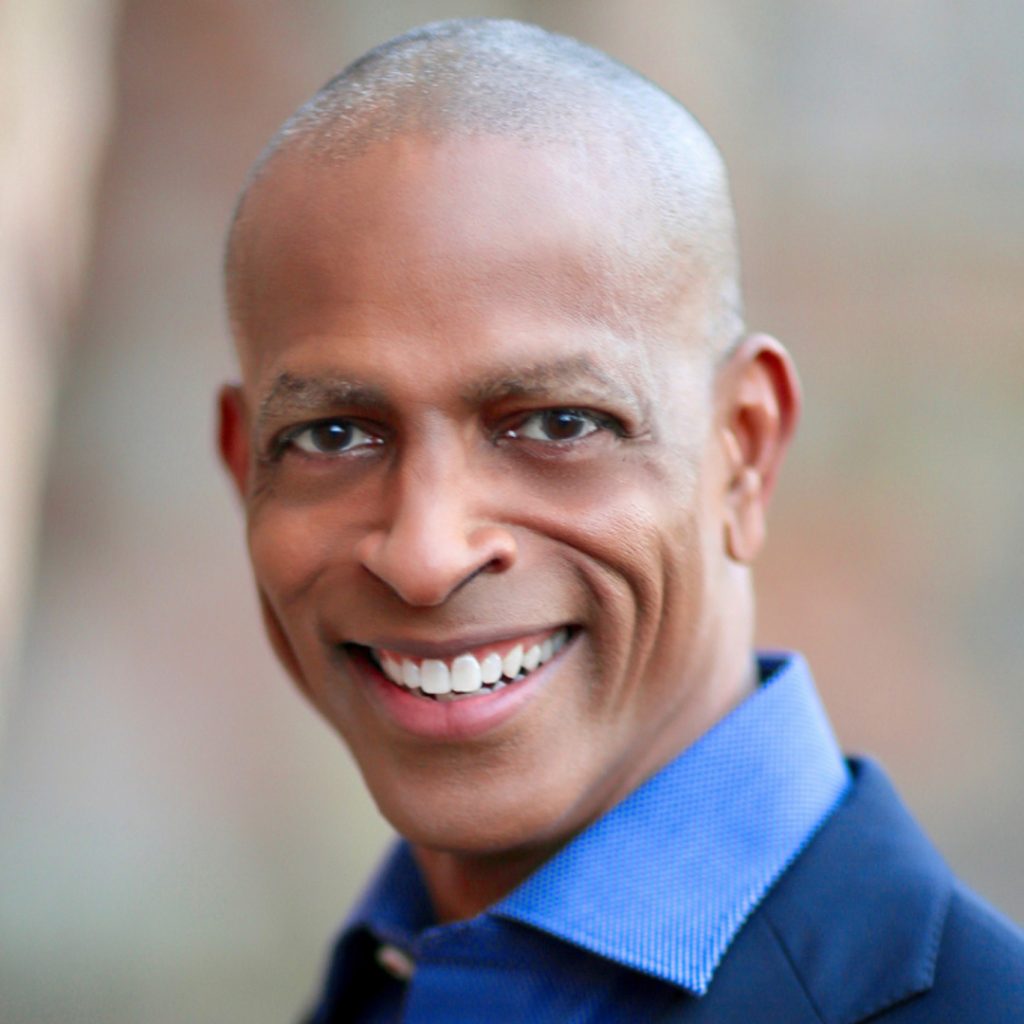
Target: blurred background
{"x": 179, "y": 837}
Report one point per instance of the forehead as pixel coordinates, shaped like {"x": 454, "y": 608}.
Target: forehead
{"x": 489, "y": 236}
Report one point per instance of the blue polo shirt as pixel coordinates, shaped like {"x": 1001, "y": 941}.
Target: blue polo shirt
{"x": 633, "y": 915}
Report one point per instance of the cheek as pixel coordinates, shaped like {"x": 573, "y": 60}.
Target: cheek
{"x": 652, "y": 601}
{"x": 633, "y": 532}
{"x": 304, "y": 525}
{"x": 636, "y": 514}
{"x": 290, "y": 548}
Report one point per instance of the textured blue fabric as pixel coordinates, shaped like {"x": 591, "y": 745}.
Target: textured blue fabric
{"x": 635, "y": 912}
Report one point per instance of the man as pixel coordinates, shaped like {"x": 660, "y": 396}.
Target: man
{"x": 505, "y": 450}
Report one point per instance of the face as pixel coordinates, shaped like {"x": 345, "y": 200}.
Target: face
{"x": 477, "y": 445}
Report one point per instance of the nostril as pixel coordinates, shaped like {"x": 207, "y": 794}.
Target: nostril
{"x": 424, "y": 570}
{"x": 496, "y": 546}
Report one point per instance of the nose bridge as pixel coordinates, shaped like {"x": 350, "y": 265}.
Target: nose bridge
{"x": 434, "y": 536}
{"x": 430, "y": 482}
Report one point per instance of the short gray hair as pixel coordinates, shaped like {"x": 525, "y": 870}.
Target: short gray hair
{"x": 501, "y": 77}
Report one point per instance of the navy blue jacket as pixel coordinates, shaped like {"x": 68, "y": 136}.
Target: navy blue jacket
{"x": 868, "y": 924}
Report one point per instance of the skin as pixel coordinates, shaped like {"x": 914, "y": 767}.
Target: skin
{"x": 439, "y": 294}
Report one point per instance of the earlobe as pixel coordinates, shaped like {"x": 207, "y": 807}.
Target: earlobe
{"x": 233, "y": 435}
{"x": 761, "y": 407}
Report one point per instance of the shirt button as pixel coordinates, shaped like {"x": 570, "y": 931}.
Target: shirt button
{"x": 396, "y": 961}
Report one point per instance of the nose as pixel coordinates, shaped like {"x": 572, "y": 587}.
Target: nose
{"x": 431, "y": 543}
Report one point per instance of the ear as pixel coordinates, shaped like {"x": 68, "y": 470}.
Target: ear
{"x": 233, "y": 435}
{"x": 760, "y": 409}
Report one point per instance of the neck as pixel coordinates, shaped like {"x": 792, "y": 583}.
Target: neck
{"x": 462, "y": 886}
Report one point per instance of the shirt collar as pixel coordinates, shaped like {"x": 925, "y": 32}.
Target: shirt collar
{"x": 664, "y": 881}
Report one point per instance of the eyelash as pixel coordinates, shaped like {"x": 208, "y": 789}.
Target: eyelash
{"x": 287, "y": 440}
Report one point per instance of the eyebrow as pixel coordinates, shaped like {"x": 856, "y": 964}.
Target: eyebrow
{"x": 291, "y": 394}
{"x": 540, "y": 379}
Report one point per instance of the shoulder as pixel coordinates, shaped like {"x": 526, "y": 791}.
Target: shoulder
{"x": 979, "y": 970}
{"x": 873, "y": 924}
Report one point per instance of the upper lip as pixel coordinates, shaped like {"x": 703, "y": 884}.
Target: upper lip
{"x": 415, "y": 647}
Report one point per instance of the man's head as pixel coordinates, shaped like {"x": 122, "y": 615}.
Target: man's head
{"x": 496, "y": 397}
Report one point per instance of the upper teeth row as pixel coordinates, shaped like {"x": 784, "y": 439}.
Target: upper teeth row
{"x": 467, "y": 673}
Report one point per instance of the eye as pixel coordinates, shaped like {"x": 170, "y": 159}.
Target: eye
{"x": 555, "y": 425}
{"x": 329, "y": 437}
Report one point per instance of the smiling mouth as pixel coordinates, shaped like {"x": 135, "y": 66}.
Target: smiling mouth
{"x": 469, "y": 674}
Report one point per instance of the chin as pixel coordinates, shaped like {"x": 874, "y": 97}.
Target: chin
{"x": 480, "y": 823}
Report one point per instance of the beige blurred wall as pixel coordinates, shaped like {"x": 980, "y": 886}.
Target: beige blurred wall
{"x": 178, "y": 835}
{"x": 55, "y": 91}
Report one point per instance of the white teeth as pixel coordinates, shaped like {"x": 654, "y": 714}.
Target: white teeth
{"x": 466, "y": 674}
{"x": 411, "y": 674}
{"x": 513, "y": 661}
{"x": 435, "y": 677}
{"x": 490, "y": 668}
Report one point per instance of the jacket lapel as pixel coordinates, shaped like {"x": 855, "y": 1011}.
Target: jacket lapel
{"x": 852, "y": 928}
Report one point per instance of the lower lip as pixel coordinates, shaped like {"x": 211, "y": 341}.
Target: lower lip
{"x": 467, "y": 718}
